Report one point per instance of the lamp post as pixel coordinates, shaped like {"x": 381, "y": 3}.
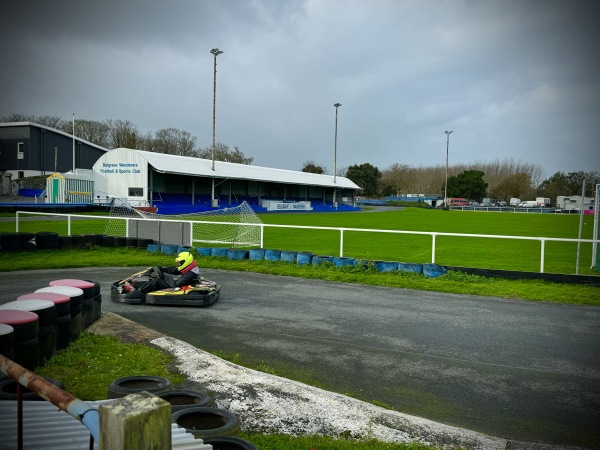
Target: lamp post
{"x": 216, "y": 52}
{"x": 446, "y": 186}
{"x": 337, "y": 105}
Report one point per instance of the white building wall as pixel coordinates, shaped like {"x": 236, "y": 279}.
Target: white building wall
{"x": 122, "y": 173}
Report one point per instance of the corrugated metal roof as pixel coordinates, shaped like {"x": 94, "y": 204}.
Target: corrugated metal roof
{"x": 54, "y": 130}
{"x": 47, "y": 427}
{"x": 187, "y": 165}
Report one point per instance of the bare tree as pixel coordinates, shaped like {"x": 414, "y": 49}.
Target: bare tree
{"x": 312, "y": 167}
{"x": 123, "y": 133}
{"x": 93, "y": 131}
{"x": 224, "y": 153}
{"x": 174, "y": 142}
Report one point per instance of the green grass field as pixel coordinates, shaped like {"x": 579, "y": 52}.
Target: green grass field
{"x": 506, "y": 254}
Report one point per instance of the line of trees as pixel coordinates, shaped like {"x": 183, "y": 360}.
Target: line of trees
{"x": 499, "y": 180}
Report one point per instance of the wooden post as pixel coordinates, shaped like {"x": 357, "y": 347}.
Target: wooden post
{"x": 139, "y": 421}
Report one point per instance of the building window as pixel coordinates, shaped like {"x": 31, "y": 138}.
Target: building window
{"x": 21, "y": 174}
{"x": 136, "y": 192}
{"x": 20, "y": 154}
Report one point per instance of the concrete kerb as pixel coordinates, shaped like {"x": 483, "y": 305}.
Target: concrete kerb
{"x": 270, "y": 404}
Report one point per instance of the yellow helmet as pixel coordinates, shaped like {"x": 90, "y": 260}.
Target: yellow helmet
{"x": 183, "y": 260}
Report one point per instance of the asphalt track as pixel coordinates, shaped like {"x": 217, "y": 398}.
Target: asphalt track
{"x": 525, "y": 371}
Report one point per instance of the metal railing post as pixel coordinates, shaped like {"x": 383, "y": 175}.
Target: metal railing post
{"x": 432, "y": 248}
{"x": 69, "y": 225}
{"x": 341, "y": 242}
{"x": 543, "y": 241}
{"x": 17, "y": 222}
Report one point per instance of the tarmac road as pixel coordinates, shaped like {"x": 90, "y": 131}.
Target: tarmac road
{"x": 528, "y": 371}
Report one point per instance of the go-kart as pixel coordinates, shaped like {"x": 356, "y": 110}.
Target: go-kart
{"x": 203, "y": 293}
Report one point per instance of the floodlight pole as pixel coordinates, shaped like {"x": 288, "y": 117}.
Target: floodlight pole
{"x": 216, "y": 52}
{"x": 337, "y": 105}
{"x": 448, "y": 133}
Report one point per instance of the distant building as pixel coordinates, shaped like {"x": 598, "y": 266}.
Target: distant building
{"x": 28, "y": 149}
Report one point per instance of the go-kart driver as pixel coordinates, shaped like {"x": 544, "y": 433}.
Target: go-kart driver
{"x": 186, "y": 267}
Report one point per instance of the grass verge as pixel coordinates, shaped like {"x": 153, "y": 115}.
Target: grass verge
{"x": 89, "y": 364}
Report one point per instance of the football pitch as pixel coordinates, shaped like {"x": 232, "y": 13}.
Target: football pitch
{"x": 479, "y": 252}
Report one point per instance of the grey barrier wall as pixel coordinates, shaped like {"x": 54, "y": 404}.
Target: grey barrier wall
{"x": 165, "y": 232}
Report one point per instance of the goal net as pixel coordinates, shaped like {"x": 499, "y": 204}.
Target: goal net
{"x": 237, "y": 226}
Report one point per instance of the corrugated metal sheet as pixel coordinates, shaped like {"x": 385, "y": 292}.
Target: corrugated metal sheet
{"x": 47, "y": 427}
{"x": 203, "y": 167}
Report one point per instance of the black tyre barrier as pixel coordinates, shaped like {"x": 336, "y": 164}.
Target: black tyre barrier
{"x": 229, "y": 443}
{"x": 46, "y": 236}
{"x": 204, "y": 422}
{"x": 27, "y": 246}
{"x": 131, "y": 242}
{"x": 9, "y": 242}
{"x": 8, "y": 390}
{"x": 7, "y": 340}
{"x": 108, "y": 241}
{"x": 122, "y": 387}
{"x": 120, "y": 241}
{"x": 78, "y": 240}
{"x": 47, "y": 246}
{"x": 91, "y": 239}
{"x": 25, "y": 236}
{"x": 143, "y": 243}
{"x": 65, "y": 242}
{"x": 180, "y": 399}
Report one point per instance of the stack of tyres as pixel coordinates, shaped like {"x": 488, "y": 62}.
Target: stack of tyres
{"x": 97, "y": 308}
{"x": 87, "y": 301}
{"x": 26, "y": 328}
{"x": 46, "y": 312}
{"x": 26, "y": 241}
{"x": 9, "y": 242}
{"x": 46, "y": 240}
{"x": 7, "y": 341}
{"x": 76, "y": 296}
{"x": 63, "y": 315}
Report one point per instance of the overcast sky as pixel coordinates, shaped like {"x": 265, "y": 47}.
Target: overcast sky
{"x": 513, "y": 79}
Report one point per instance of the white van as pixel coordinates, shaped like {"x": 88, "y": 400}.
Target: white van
{"x": 514, "y": 201}
{"x": 529, "y": 204}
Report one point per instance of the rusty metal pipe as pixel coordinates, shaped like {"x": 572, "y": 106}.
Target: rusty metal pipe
{"x": 76, "y": 408}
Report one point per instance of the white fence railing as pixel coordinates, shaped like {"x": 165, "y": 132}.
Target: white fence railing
{"x": 341, "y": 230}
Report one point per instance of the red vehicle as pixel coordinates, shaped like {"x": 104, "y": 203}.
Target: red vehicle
{"x": 458, "y": 202}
